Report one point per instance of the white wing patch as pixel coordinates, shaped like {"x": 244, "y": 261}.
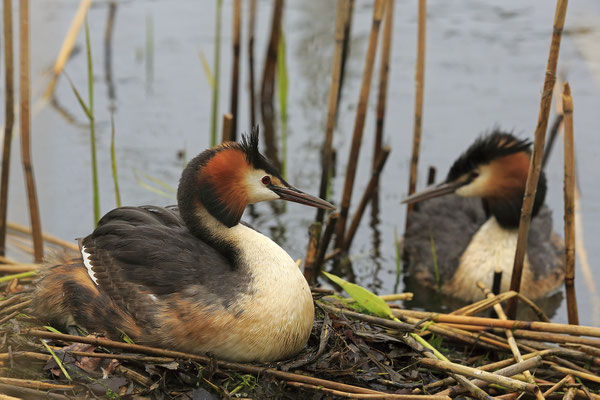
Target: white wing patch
{"x": 88, "y": 265}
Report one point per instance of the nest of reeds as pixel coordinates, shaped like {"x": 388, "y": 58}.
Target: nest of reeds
{"x": 350, "y": 354}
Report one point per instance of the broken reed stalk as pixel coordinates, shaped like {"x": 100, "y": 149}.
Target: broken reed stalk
{"x": 9, "y": 117}
{"x": 367, "y": 196}
{"x": 359, "y": 122}
{"x": 235, "y": 70}
{"x": 251, "y": 94}
{"x": 495, "y": 323}
{"x": 68, "y": 45}
{"x": 384, "y": 65}
{"x": 536, "y": 155}
{"x": 480, "y": 374}
{"x": 419, "y": 86}
{"x": 314, "y": 232}
{"x": 325, "y": 239}
{"x": 226, "y": 127}
{"x": 431, "y": 175}
{"x": 24, "y": 92}
{"x": 336, "y": 70}
{"x": 569, "y": 191}
{"x": 214, "y": 108}
{"x": 552, "y": 133}
{"x": 247, "y": 368}
{"x": 47, "y": 237}
{"x": 268, "y": 85}
{"x": 511, "y": 370}
{"x": 514, "y": 348}
{"x": 339, "y": 393}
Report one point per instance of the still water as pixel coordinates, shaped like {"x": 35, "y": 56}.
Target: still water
{"x": 484, "y": 68}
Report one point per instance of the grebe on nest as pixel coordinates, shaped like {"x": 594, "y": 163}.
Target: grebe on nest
{"x": 192, "y": 277}
{"x": 471, "y": 238}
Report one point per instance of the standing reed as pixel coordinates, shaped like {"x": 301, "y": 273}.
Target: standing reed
{"x": 419, "y": 85}
{"x": 268, "y": 85}
{"x": 214, "y": 110}
{"x": 235, "y": 70}
{"x": 314, "y": 232}
{"x": 9, "y": 117}
{"x": 537, "y": 153}
{"x": 251, "y": 94}
{"x": 113, "y": 160}
{"x": 343, "y": 8}
{"x": 569, "y": 191}
{"x": 346, "y": 45}
{"x": 25, "y": 117}
{"x": 90, "y": 71}
{"x": 359, "y": 122}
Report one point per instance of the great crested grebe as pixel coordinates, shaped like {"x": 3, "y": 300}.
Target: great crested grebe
{"x": 192, "y": 277}
{"x": 469, "y": 239}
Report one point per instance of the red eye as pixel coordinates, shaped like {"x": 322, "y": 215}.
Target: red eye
{"x": 266, "y": 180}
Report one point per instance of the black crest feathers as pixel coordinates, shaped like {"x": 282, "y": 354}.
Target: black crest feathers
{"x": 249, "y": 145}
{"x": 486, "y": 149}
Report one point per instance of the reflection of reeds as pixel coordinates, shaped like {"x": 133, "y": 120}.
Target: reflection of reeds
{"x": 268, "y": 82}
{"x": 537, "y": 153}
{"x": 569, "y": 206}
{"x": 25, "y": 117}
{"x": 326, "y": 154}
{"x": 214, "y": 111}
{"x": 282, "y": 94}
{"x": 9, "y": 117}
{"x": 359, "y": 122}
{"x": 251, "y": 30}
{"x": 113, "y": 160}
{"x": 367, "y": 196}
{"x": 419, "y": 84}
{"x": 235, "y": 71}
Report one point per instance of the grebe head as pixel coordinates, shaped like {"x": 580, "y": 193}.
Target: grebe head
{"x": 226, "y": 178}
{"x": 495, "y": 169}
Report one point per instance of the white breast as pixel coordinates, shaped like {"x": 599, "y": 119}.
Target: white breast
{"x": 492, "y": 249}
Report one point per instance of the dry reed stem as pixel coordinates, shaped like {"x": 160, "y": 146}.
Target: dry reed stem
{"x": 579, "y": 374}
{"x": 509, "y": 371}
{"x": 514, "y": 348}
{"x": 251, "y": 369}
{"x": 68, "y": 45}
{"x": 9, "y": 117}
{"x": 27, "y": 383}
{"x": 552, "y": 337}
{"x": 346, "y": 46}
{"x": 556, "y": 386}
{"x": 27, "y": 354}
{"x": 474, "y": 390}
{"x": 572, "y": 391}
{"x": 347, "y": 395}
{"x": 325, "y": 239}
{"x": 24, "y": 93}
{"x": 388, "y": 323}
{"x": 366, "y": 197}
{"x": 235, "y": 70}
{"x": 419, "y": 86}
{"x": 569, "y": 192}
{"x": 359, "y": 122}
{"x": 314, "y": 232}
{"x": 480, "y": 374}
{"x": 226, "y": 134}
{"x": 251, "y": 93}
{"x": 47, "y": 237}
{"x": 18, "y": 268}
{"x": 9, "y": 317}
{"x": 268, "y": 85}
{"x": 510, "y": 324}
{"x": 336, "y": 68}
{"x": 26, "y": 393}
{"x": 384, "y": 65}
{"x": 536, "y": 155}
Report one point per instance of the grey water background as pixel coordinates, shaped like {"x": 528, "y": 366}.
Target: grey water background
{"x": 485, "y": 67}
